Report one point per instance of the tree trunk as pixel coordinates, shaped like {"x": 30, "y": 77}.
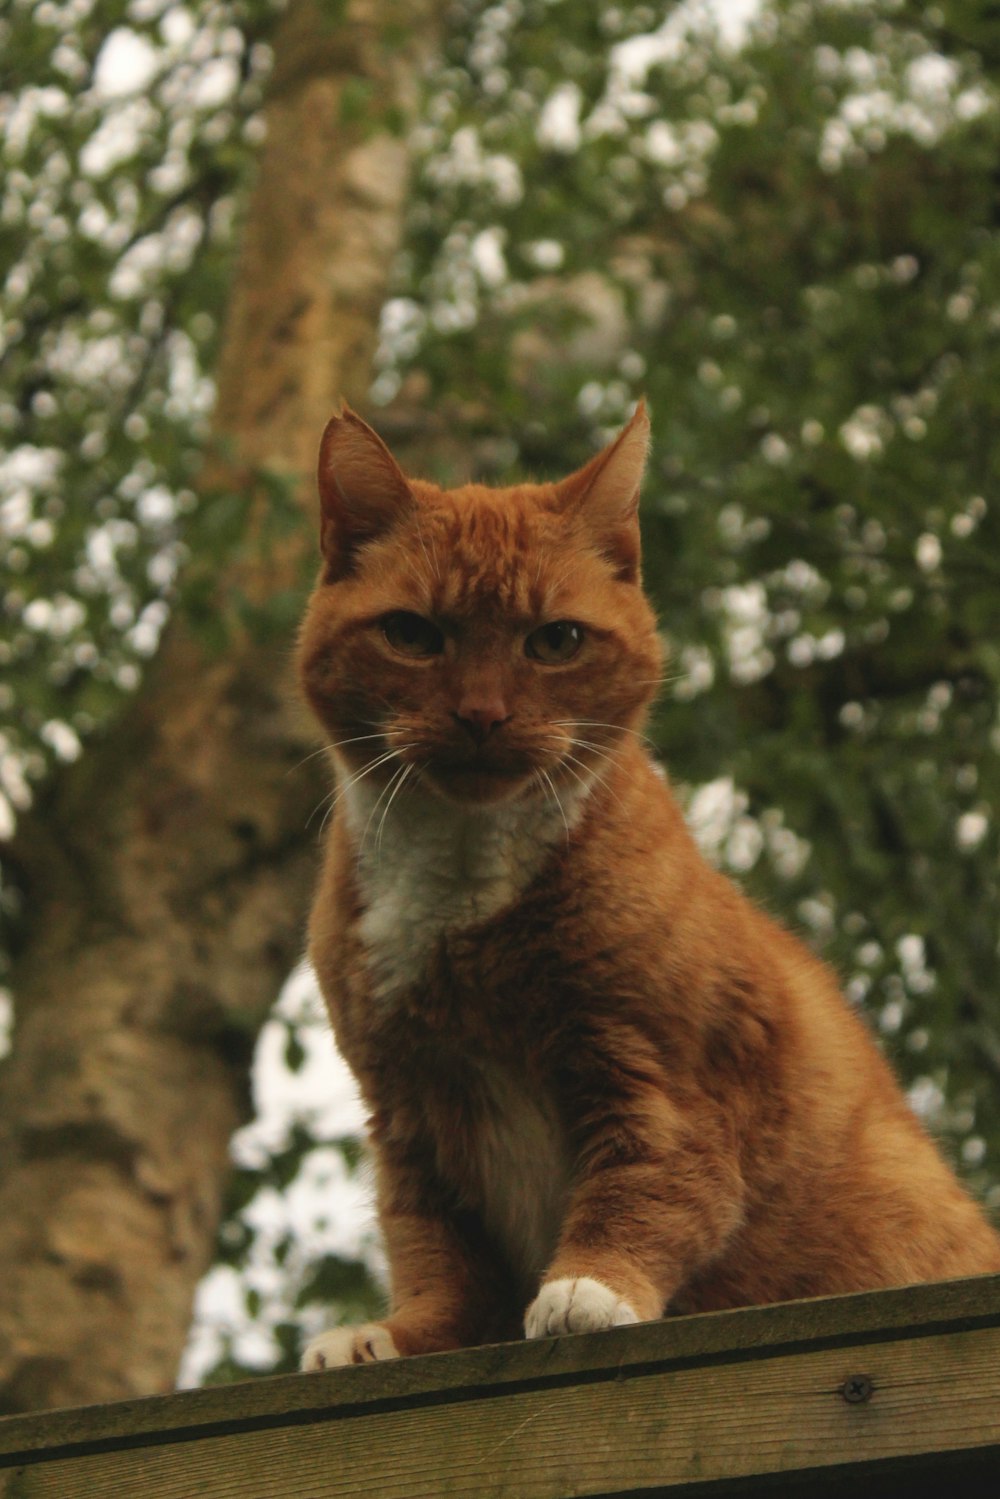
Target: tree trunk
{"x": 165, "y": 878}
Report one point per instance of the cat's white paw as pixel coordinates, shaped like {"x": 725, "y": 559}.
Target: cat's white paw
{"x": 575, "y": 1305}
{"x": 367, "y": 1344}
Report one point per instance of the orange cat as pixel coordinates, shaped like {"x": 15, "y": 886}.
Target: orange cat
{"x": 602, "y": 1084}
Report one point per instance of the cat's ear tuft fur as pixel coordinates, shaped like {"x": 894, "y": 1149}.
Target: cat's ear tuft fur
{"x": 362, "y": 490}
{"x": 604, "y": 494}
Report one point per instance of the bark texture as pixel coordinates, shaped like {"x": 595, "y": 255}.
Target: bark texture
{"x": 166, "y": 877}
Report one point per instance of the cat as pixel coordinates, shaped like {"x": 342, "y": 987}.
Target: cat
{"x": 603, "y": 1085}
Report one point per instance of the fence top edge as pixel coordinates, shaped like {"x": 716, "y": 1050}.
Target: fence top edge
{"x": 944, "y": 1307}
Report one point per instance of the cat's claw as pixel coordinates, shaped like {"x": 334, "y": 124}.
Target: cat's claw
{"x": 575, "y": 1305}
{"x": 367, "y": 1344}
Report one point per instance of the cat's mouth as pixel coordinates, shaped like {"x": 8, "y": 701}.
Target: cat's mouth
{"x": 479, "y": 781}
{"x": 504, "y": 767}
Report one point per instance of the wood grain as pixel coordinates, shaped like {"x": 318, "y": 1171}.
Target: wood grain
{"x": 701, "y": 1400}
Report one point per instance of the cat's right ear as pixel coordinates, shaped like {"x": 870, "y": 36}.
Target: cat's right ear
{"x": 604, "y": 495}
{"x": 362, "y": 490}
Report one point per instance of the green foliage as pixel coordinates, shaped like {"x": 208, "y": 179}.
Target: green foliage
{"x": 345, "y": 1284}
{"x": 126, "y": 133}
{"x": 241, "y": 526}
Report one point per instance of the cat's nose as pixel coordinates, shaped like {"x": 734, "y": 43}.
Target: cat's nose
{"x": 480, "y": 719}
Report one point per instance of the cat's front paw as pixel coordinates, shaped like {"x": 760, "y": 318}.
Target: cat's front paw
{"x": 367, "y": 1344}
{"x": 575, "y": 1305}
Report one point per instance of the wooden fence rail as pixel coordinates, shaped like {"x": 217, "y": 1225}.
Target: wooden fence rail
{"x": 885, "y": 1394}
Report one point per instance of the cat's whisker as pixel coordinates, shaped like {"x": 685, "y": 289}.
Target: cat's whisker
{"x": 626, "y": 768}
{"x": 343, "y": 787}
{"x": 594, "y": 749}
{"x": 375, "y": 806}
{"x": 610, "y": 762}
{"x": 596, "y": 723}
{"x": 602, "y": 780}
{"x": 305, "y": 758}
{"x": 586, "y": 786}
{"x": 397, "y": 784}
{"x": 334, "y": 745}
{"x": 339, "y": 743}
{"x": 536, "y": 777}
{"x": 323, "y": 801}
{"x": 388, "y": 754}
{"x": 600, "y": 750}
{"x": 552, "y": 787}
{"x": 386, "y": 789}
{"x": 588, "y": 770}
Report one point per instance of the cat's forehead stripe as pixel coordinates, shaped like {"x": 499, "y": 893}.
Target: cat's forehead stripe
{"x": 488, "y": 546}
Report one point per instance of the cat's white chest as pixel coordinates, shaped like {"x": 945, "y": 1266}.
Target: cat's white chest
{"x": 434, "y": 868}
{"x": 431, "y": 869}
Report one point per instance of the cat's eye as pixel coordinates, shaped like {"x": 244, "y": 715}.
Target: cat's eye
{"x": 554, "y": 643}
{"x": 411, "y": 634}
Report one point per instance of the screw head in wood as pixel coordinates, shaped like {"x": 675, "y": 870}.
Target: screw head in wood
{"x": 857, "y": 1388}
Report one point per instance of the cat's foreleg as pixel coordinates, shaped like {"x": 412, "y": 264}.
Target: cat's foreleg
{"x": 609, "y": 1268}
{"x": 658, "y": 1194}
{"x": 443, "y": 1286}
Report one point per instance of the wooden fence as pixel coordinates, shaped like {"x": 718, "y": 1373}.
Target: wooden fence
{"x": 889, "y": 1394}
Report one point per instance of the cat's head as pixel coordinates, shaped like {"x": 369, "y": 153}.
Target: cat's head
{"x": 492, "y": 639}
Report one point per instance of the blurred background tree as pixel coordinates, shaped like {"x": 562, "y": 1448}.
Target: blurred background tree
{"x": 779, "y": 220}
{"x": 155, "y": 889}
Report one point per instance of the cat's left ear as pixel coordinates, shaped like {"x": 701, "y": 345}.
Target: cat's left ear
{"x": 362, "y": 490}
{"x": 604, "y": 494}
